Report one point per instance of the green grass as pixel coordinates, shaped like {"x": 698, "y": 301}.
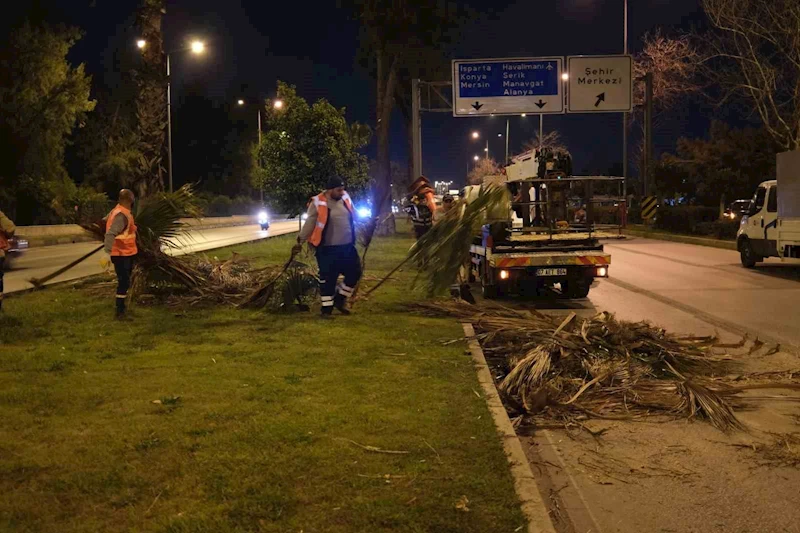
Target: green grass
{"x": 221, "y": 420}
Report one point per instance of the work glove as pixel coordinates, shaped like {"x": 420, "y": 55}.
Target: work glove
{"x": 297, "y": 248}
{"x": 105, "y": 262}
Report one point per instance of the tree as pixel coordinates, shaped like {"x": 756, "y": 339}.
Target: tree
{"x": 398, "y": 36}
{"x": 483, "y": 168}
{"x": 673, "y": 62}
{"x": 754, "y": 56}
{"x": 42, "y": 98}
{"x": 549, "y": 141}
{"x": 303, "y": 146}
{"x": 730, "y": 163}
{"x": 151, "y": 112}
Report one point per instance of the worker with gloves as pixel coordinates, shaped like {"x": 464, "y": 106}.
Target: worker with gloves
{"x": 330, "y": 229}
{"x": 7, "y": 229}
{"x": 422, "y": 206}
{"x": 120, "y": 246}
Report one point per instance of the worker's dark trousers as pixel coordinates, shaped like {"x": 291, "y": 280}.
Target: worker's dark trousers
{"x": 124, "y": 268}
{"x": 2, "y": 271}
{"x": 333, "y": 261}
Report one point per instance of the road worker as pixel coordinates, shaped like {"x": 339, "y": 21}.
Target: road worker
{"x": 120, "y": 246}
{"x": 7, "y": 229}
{"x": 330, "y": 229}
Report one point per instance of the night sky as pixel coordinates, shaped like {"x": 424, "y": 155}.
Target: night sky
{"x": 252, "y": 43}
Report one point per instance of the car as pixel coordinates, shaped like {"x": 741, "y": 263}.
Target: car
{"x": 17, "y": 247}
{"x": 736, "y": 209}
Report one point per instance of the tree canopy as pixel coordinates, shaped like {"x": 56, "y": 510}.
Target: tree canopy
{"x": 304, "y": 145}
{"x": 730, "y": 161}
{"x": 42, "y": 98}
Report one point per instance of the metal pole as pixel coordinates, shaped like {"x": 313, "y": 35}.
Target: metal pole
{"x": 169, "y": 126}
{"x": 541, "y": 130}
{"x": 625, "y": 115}
{"x": 487, "y": 147}
{"x": 258, "y": 155}
{"x": 648, "y": 135}
{"x": 416, "y": 126}
{"x": 507, "y": 126}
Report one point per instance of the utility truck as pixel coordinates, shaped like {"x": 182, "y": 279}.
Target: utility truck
{"x": 547, "y": 236}
{"x": 771, "y": 225}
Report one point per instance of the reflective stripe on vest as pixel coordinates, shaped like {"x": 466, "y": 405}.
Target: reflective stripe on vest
{"x": 124, "y": 243}
{"x": 321, "y": 203}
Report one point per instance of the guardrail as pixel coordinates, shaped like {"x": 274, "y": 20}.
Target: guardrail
{"x": 71, "y": 233}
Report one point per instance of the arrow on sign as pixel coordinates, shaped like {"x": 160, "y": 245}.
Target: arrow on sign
{"x": 477, "y": 105}
{"x": 541, "y": 103}
{"x": 600, "y": 98}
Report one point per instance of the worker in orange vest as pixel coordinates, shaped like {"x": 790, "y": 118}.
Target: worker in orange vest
{"x": 330, "y": 229}
{"x": 120, "y": 246}
{"x": 7, "y": 229}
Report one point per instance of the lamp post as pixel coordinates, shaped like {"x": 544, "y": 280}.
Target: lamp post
{"x": 625, "y": 115}
{"x": 197, "y": 48}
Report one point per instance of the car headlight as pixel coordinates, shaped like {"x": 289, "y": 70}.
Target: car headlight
{"x": 364, "y": 212}
{"x": 263, "y": 218}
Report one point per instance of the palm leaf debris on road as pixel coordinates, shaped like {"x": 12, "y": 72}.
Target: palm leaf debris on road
{"x": 600, "y": 367}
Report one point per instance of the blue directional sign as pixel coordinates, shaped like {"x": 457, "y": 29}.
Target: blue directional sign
{"x": 507, "y": 86}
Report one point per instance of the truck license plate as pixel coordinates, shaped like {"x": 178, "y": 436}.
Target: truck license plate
{"x": 551, "y": 271}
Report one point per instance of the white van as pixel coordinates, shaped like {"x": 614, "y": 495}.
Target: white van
{"x": 771, "y": 225}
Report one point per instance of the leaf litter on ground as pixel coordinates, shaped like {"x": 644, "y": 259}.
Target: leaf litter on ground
{"x": 575, "y": 368}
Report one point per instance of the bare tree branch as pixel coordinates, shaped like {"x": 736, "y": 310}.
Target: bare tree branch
{"x": 753, "y": 53}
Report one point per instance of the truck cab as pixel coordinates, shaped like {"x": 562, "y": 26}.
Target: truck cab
{"x": 757, "y": 237}
{"x": 771, "y": 225}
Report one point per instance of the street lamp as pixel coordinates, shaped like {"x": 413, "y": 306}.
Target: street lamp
{"x": 475, "y": 135}
{"x": 278, "y": 104}
{"x": 475, "y": 158}
{"x": 197, "y": 48}
{"x": 565, "y": 76}
{"x": 240, "y": 101}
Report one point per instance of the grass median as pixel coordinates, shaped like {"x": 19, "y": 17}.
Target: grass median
{"x": 221, "y": 420}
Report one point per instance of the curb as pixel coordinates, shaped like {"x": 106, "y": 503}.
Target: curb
{"x": 686, "y": 239}
{"x": 533, "y": 507}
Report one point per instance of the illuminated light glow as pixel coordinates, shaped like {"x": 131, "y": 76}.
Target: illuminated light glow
{"x": 198, "y": 47}
{"x": 504, "y": 274}
{"x": 141, "y": 43}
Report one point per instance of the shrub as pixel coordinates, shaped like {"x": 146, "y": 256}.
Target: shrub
{"x": 685, "y": 218}
{"x": 719, "y": 229}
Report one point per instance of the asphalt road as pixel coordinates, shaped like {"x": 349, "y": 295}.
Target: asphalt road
{"x": 38, "y": 262}
{"x": 697, "y": 289}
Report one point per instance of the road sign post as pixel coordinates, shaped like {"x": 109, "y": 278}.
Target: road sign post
{"x": 507, "y": 86}
{"x": 649, "y": 207}
{"x": 600, "y": 84}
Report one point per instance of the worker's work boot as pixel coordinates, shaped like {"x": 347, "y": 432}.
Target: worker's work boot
{"x": 326, "y": 313}
{"x": 340, "y": 303}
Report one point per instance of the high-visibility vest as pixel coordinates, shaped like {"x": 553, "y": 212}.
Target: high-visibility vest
{"x": 4, "y": 244}
{"x": 124, "y": 243}
{"x": 321, "y": 203}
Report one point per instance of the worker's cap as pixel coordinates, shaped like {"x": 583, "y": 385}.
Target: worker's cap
{"x": 334, "y": 182}
{"x": 418, "y": 183}
{"x": 447, "y": 198}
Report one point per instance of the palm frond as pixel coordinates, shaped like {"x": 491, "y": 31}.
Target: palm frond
{"x": 444, "y": 249}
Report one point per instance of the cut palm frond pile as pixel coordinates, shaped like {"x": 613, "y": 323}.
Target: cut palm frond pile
{"x": 599, "y": 367}
{"x": 444, "y": 249}
{"x": 283, "y": 289}
{"x": 190, "y": 279}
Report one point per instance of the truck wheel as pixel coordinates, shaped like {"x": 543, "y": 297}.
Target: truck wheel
{"x": 747, "y": 255}
{"x": 490, "y": 292}
{"x": 576, "y": 288}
